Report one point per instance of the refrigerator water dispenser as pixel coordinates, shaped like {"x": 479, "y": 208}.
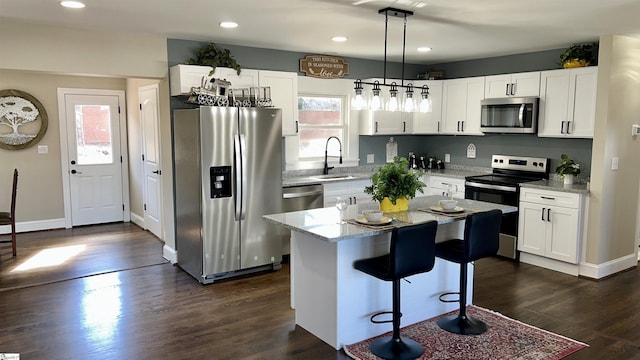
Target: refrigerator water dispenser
{"x": 220, "y": 181}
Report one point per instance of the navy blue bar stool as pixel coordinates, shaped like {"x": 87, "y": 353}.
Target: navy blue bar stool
{"x": 481, "y": 239}
{"x": 412, "y": 251}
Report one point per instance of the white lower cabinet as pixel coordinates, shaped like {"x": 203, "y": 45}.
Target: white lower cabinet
{"x": 439, "y": 185}
{"x": 549, "y": 224}
{"x": 352, "y": 189}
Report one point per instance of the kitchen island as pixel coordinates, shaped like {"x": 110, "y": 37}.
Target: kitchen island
{"x": 334, "y": 301}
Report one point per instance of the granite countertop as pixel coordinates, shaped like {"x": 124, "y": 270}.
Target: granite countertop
{"x": 324, "y": 223}
{"x": 558, "y": 185}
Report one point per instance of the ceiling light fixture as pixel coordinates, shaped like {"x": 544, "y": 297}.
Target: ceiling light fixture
{"x": 424, "y": 49}
{"x": 408, "y": 104}
{"x": 72, "y": 4}
{"x": 339, "y": 38}
{"x": 229, "y": 24}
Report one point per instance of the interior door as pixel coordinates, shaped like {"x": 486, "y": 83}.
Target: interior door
{"x": 152, "y": 172}
{"x": 95, "y": 159}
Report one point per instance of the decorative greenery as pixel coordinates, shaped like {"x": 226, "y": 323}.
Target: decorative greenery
{"x": 395, "y": 180}
{"x": 211, "y": 55}
{"x": 567, "y": 166}
{"x": 587, "y": 52}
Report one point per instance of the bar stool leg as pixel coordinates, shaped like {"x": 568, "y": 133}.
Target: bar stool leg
{"x": 461, "y": 323}
{"x": 393, "y": 347}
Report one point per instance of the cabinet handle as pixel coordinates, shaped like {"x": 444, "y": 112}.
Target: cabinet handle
{"x": 458, "y": 126}
{"x": 568, "y": 125}
{"x": 513, "y": 88}
{"x": 506, "y": 91}
{"x": 375, "y": 128}
{"x": 547, "y": 198}
{"x": 542, "y": 216}
{"x": 355, "y": 201}
{"x": 462, "y": 126}
{"x": 297, "y": 128}
{"x": 562, "y": 127}
{"x": 549, "y": 215}
{"x": 404, "y": 126}
{"x": 438, "y": 126}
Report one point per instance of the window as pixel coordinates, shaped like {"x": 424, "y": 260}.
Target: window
{"x": 320, "y": 117}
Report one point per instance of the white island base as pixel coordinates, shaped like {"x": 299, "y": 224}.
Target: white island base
{"x": 334, "y": 302}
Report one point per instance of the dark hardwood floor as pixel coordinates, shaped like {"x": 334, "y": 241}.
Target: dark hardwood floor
{"x": 158, "y": 311}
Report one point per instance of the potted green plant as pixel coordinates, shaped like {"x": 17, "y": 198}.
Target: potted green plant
{"x": 394, "y": 184}
{"x": 578, "y": 55}
{"x": 568, "y": 169}
{"x": 212, "y": 55}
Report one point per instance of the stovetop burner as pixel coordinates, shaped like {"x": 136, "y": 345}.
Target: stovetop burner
{"x": 513, "y": 170}
{"x": 500, "y": 179}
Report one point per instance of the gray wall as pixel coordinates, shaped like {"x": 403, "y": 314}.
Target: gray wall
{"x": 437, "y": 145}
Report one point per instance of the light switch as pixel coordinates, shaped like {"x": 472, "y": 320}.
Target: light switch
{"x": 635, "y": 130}
{"x": 43, "y": 149}
{"x": 370, "y": 159}
{"x": 447, "y": 158}
{"x": 614, "y": 163}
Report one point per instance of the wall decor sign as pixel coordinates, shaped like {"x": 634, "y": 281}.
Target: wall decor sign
{"x": 324, "y": 66}
{"x": 23, "y": 120}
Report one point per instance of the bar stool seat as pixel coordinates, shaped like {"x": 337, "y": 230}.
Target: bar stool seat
{"x": 411, "y": 251}
{"x": 481, "y": 239}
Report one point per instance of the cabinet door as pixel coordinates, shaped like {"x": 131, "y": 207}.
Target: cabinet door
{"x": 383, "y": 122}
{"x": 562, "y": 243}
{"x": 583, "y": 99}
{"x": 526, "y": 84}
{"x": 475, "y": 95}
{"x": 497, "y": 86}
{"x": 247, "y": 78}
{"x": 284, "y": 95}
{"x": 428, "y": 123}
{"x": 554, "y": 102}
{"x": 454, "y": 105}
{"x": 532, "y": 228}
{"x": 184, "y": 77}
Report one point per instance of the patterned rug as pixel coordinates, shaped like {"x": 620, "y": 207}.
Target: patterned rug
{"x": 505, "y": 339}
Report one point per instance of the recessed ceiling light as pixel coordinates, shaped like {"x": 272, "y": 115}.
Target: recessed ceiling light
{"x": 424, "y": 49}
{"x": 72, "y": 4}
{"x": 339, "y": 38}
{"x": 228, "y": 24}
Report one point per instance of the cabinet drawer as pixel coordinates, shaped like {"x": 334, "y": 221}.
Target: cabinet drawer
{"x": 546, "y": 197}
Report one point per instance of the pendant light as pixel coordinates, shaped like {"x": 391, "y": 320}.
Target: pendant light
{"x": 408, "y": 101}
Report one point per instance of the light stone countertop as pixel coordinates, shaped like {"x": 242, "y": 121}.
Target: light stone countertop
{"x": 324, "y": 223}
{"x": 557, "y": 185}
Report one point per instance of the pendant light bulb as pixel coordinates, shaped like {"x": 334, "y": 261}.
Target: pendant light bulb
{"x": 425, "y": 103}
{"x": 393, "y": 99}
{"x": 409, "y": 104}
{"x": 358, "y": 101}
{"x": 376, "y": 101}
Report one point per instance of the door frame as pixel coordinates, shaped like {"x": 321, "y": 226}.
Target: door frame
{"x": 64, "y": 156}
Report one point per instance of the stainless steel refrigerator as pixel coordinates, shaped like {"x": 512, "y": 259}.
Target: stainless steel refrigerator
{"x": 227, "y": 174}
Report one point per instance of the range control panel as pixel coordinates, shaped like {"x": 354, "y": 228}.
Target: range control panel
{"x": 522, "y": 163}
{"x": 220, "y": 181}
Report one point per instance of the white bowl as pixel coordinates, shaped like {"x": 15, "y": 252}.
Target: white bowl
{"x": 372, "y": 215}
{"x": 448, "y": 204}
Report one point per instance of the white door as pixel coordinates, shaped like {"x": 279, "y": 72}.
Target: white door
{"x": 148, "y": 96}
{"x": 94, "y": 156}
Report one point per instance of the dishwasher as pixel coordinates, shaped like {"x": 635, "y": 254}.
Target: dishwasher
{"x": 296, "y": 198}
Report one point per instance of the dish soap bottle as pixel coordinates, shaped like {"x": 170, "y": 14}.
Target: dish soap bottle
{"x": 392, "y": 149}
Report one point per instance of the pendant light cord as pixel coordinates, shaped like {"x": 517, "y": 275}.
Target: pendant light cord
{"x": 386, "y": 25}
{"x": 404, "y": 42}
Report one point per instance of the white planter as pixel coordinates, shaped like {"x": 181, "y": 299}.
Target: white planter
{"x": 568, "y": 179}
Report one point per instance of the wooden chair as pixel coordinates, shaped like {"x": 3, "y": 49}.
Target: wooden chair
{"x": 9, "y": 218}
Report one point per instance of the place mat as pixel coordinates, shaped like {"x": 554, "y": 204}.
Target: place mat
{"x": 458, "y": 215}
{"x": 393, "y": 224}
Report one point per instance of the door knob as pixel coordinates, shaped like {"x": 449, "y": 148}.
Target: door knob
{"x": 75, "y": 172}
{"x": 73, "y": 162}
{"x": 159, "y": 172}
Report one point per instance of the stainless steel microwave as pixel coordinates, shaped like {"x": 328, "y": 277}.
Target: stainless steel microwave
{"x": 509, "y": 115}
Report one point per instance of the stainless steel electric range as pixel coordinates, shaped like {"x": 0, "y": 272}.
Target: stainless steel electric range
{"x": 502, "y": 186}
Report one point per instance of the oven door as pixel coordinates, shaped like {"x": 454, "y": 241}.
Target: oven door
{"x": 498, "y": 194}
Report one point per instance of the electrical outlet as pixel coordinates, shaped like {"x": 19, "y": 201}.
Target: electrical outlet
{"x": 614, "y": 163}
{"x": 370, "y": 159}
{"x": 471, "y": 151}
{"x": 43, "y": 149}
{"x": 447, "y": 158}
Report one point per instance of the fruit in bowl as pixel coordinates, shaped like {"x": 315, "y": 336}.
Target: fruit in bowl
{"x": 448, "y": 204}
{"x": 372, "y": 215}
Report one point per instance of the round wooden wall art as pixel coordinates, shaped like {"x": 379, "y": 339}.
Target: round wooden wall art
{"x": 23, "y": 120}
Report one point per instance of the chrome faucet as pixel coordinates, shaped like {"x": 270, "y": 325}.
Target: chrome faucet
{"x": 326, "y": 165}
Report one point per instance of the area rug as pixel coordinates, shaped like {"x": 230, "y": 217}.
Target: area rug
{"x": 505, "y": 339}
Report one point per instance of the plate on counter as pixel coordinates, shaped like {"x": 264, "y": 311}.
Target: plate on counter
{"x": 438, "y": 208}
{"x": 384, "y": 221}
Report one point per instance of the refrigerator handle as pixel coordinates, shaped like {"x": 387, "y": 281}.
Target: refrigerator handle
{"x": 243, "y": 162}
{"x": 237, "y": 165}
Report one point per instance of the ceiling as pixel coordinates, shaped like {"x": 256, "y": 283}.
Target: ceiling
{"x": 455, "y": 29}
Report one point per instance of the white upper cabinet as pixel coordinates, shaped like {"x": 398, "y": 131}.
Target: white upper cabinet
{"x": 428, "y": 123}
{"x": 284, "y": 95}
{"x": 461, "y": 106}
{"x": 247, "y": 78}
{"x": 384, "y": 122}
{"x": 184, "y": 77}
{"x": 510, "y": 85}
{"x": 568, "y": 102}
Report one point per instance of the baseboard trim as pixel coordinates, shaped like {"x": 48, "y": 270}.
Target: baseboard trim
{"x": 551, "y": 264}
{"x": 138, "y": 220}
{"x": 170, "y": 254}
{"x": 599, "y": 271}
{"x": 28, "y": 226}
